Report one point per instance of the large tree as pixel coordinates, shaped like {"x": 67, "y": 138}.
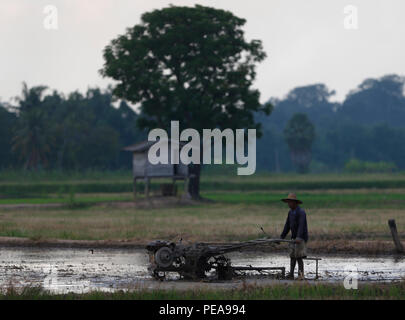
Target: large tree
{"x": 190, "y": 64}
{"x": 299, "y": 135}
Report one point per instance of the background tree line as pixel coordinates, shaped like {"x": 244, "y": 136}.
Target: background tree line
{"x": 46, "y": 129}
{"x": 368, "y": 126}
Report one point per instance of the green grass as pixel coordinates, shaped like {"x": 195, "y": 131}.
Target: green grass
{"x": 315, "y": 200}
{"x": 220, "y": 221}
{"x": 297, "y": 291}
{"x": 238, "y": 211}
{"x": 32, "y": 189}
{"x": 66, "y": 200}
{"x": 31, "y": 184}
{"x": 27, "y": 176}
{"x": 217, "y": 175}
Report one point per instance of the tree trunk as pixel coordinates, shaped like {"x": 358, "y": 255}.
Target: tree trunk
{"x": 194, "y": 183}
{"x": 301, "y": 159}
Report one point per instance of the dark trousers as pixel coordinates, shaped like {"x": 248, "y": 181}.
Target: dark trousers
{"x": 300, "y": 266}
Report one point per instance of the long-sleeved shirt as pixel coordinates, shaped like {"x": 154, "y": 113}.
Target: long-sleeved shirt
{"x": 297, "y": 223}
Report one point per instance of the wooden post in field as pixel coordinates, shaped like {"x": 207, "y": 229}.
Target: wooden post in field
{"x": 186, "y": 195}
{"x": 134, "y": 186}
{"x": 147, "y": 181}
{"x": 397, "y": 242}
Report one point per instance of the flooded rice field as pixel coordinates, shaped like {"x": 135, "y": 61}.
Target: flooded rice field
{"x": 83, "y": 270}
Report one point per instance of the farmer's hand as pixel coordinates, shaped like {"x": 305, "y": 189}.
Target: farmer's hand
{"x": 297, "y": 240}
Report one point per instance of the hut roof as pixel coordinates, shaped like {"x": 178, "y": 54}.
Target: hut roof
{"x": 145, "y": 145}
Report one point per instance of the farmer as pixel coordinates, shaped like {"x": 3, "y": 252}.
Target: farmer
{"x": 297, "y": 223}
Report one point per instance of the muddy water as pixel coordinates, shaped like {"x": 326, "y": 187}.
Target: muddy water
{"x": 332, "y": 267}
{"x": 80, "y": 270}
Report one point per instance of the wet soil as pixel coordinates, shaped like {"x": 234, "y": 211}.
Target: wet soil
{"x": 62, "y": 270}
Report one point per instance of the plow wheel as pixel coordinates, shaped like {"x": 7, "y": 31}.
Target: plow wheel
{"x": 164, "y": 257}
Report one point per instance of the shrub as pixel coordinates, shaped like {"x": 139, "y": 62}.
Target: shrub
{"x": 357, "y": 166}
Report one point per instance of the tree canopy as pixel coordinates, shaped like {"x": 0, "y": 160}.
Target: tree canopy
{"x": 83, "y": 129}
{"x": 367, "y": 125}
{"x": 48, "y": 130}
{"x": 191, "y": 64}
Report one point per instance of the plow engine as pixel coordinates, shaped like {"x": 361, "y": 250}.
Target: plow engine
{"x": 199, "y": 260}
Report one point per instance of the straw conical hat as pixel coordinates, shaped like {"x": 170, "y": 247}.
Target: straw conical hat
{"x": 291, "y": 196}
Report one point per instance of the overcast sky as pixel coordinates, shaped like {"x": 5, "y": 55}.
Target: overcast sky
{"x": 306, "y": 41}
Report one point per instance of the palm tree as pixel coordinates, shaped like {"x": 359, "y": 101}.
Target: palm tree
{"x": 31, "y": 140}
{"x": 299, "y": 134}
